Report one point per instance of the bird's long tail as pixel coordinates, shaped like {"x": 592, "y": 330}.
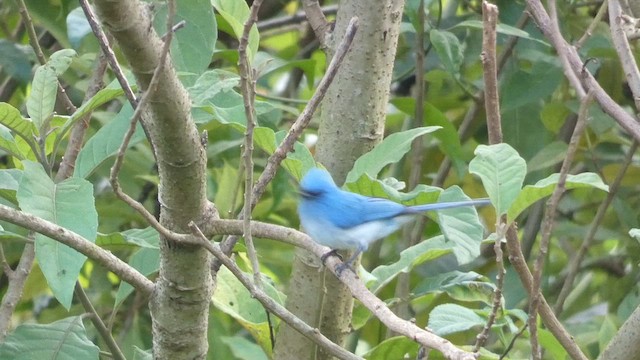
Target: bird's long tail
{"x": 449, "y": 205}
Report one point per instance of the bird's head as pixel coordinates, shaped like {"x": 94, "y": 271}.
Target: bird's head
{"x": 316, "y": 182}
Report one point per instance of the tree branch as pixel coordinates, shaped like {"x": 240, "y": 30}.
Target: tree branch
{"x": 80, "y": 244}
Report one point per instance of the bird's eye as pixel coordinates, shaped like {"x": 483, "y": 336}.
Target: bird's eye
{"x": 307, "y": 194}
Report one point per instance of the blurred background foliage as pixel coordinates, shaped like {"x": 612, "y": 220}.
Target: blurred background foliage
{"x": 538, "y": 108}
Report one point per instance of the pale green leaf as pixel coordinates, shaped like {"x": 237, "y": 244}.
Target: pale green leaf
{"x": 502, "y": 172}
{"x": 146, "y": 261}
{"x": 543, "y": 188}
{"x": 461, "y": 226}
{"x": 42, "y": 98}
{"x": 69, "y": 204}
{"x": 422, "y": 252}
{"x": 106, "y": 142}
{"x": 63, "y": 339}
{"x": 452, "y": 318}
{"x": 389, "y": 151}
{"x": 448, "y": 48}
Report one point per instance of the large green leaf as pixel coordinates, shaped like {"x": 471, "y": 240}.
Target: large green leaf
{"x": 11, "y": 118}
{"x": 106, "y": 142}
{"x": 234, "y": 299}
{"x": 69, "y": 204}
{"x": 398, "y": 347}
{"x": 451, "y": 318}
{"x": 501, "y": 29}
{"x": 63, "y": 339}
{"x": 448, "y": 135}
{"x": 448, "y": 48}
{"x": 424, "y": 251}
{"x": 42, "y": 98}
{"x": 146, "y": 261}
{"x": 192, "y": 46}
{"x": 458, "y": 285}
{"x": 15, "y": 61}
{"x": 543, "y": 188}
{"x": 502, "y": 172}
{"x": 389, "y": 151}
{"x": 9, "y": 183}
{"x": 235, "y": 13}
{"x": 462, "y": 226}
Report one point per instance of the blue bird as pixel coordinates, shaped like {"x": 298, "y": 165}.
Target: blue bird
{"x": 343, "y": 220}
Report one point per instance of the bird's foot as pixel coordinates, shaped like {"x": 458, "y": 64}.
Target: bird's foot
{"x": 333, "y": 252}
{"x": 342, "y": 267}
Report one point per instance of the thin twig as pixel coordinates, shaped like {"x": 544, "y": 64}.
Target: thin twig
{"x": 139, "y": 109}
{"x": 17, "y": 279}
{"x": 321, "y": 27}
{"x": 247, "y": 87}
{"x": 574, "y": 265}
{"x": 572, "y": 63}
{"x": 76, "y": 138}
{"x": 284, "y": 314}
{"x": 494, "y": 125}
{"x": 116, "y": 353}
{"x": 296, "y": 18}
{"x": 517, "y": 260}
{"x": 274, "y": 161}
{"x": 596, "y": 20}
{"x": 108, "y": 51}
{"x": 33, "y": 40}
{"x": 475, "y": 107}
{"x": 490, "y": 71}
{"x": 548, "y": 222}
{"x": 80, "y": 244}
{"x": 357, "y": 288}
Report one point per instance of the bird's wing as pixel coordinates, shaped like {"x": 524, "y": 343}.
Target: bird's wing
{"x": 354, "y": 210}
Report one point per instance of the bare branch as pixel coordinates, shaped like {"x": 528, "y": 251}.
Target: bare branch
{"x": 80, "y": 244}
{"x": 321, "y": 27}
{"x": 256, "y": 292}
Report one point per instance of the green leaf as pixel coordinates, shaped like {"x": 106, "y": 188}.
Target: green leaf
{"x": 501, "y": 29}
{"x": 525, "y": 87}
{"x": 106, "y": 142}
{"x": 502, "y": 172}
{"x": 451, "y": 318}
{"x": 551, "y": 154}
{"x": 424, "y": 251}
{"x": 458, "y": 285}
{"x": 448, "y": 135}
{"x": 147, "y": 262}
{"x": 77, "y": 26}
{"x": 389, "y": 151}
{"x": 63, "y": 339}
{"x": 139, "y": 354}
{"x": 242, "y": 348}
{"x": 543, "y": 188}
{"x": 11, "y": 118}
{"x": 192, "y": 46}
{"x": 462, "y": 226}
{"x": 448, "y": 48}
{"x": 42, "y": 98}
{"x": 398, "y": 347}
{"x": 9, "y": 183}
{"x": 69, "y": 204}
{"x": 296, "y": 162}
{"x": 61, "y": 60}
{"x": 8, "y": 143}
{"x": 234, "y": 299}
{"x": 14, "y": 61}
{"x": 210, "y": 84}
{"x": 236, "y": 13}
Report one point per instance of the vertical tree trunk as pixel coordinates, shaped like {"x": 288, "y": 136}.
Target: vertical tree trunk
{"x": 352, "y": 123}
{"x": 180, "y": 302}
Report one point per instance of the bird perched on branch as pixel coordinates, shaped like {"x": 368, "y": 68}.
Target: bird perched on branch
{"x": 343, "y": 220}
